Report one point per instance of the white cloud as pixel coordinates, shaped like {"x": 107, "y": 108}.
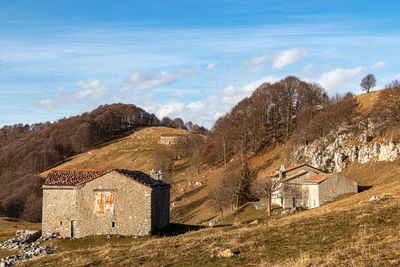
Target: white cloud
{"x": 152, "y": 79}
{"x": 379, "y": 65}
{"x": 397, "y": 77}
{"x": 256, "y": 63}
{"x": 338, "y": 77}
{"x": 92, "y": 89}
{"x": 45, "y": 103}
{"x": 288, "y": 57}
{"x": 231, "y": 94}
{"x": 211, "y": 66}
{"x": 172, "y": 109}
{"x": 196, "y": 106}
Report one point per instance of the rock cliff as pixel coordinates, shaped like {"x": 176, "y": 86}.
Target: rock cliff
{"x": 339, "y": 148}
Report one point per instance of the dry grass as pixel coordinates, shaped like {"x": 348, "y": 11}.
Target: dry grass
{"x": 367, "y": 100}
{"x": 135, "y": 151}
{"x": 351, "y": 231}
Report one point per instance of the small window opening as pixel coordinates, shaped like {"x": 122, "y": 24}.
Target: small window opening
{"x": 60, "y": 222}
{"x": 113, "y": 224}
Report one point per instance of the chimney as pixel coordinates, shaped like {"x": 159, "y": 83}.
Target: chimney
{"x": 281, "y": 171}
{"x": 157, "y": 175}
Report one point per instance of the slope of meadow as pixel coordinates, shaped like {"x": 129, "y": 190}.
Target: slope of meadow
{"x": 349, "y": 231}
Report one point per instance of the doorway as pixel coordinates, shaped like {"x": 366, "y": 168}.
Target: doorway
{"x": 73, "y": 229}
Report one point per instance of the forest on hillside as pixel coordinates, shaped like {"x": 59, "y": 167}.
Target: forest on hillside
{"x": 26, "y": 150}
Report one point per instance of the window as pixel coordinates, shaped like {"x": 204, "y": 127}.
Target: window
{"x": 60, "y": 222}
{"x": 113, "y": 224}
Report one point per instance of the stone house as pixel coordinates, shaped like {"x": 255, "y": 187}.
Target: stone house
{"x": 173, "y": 139}
{"x": 116, "y": 202}
{"x": 306, "y": 186}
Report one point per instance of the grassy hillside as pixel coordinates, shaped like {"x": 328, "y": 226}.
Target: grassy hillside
{"x": 351, "y": 231}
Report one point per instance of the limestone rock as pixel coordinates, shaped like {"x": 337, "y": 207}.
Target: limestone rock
{"x": 227, "y": 253}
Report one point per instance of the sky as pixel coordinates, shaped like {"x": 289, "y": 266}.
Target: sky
{"x": 188, "y": 59}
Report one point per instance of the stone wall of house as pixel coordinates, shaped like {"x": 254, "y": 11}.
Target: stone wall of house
{"x": 160, "y": 208}
{"x": 334, "y": 186}
{"x": 136, "y": 209}
{"x": 172, "y": 140}
{"x": 132, "y": 207}
{"x": 310, "y": 195}
{"x": 59, "y": 208}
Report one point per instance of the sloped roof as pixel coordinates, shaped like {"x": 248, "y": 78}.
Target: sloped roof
{"x": 287, "y": 169}
{"x": 138, "y": 176}
{"x": 295, "y": 175}
{"x": 72, "y": 178}
{"x": 318, "y": 178}
{"x": 75, "y": 178}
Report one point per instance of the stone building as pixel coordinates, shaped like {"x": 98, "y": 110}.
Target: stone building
{"x": 173, "y": 139}
{"x": 306, "y": 186}
{"x": 121, "y": 202}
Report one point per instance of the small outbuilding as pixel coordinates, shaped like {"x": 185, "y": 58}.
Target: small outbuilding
{"x": 309, "y": 187}
{"x": 173, "y": 139}
{"x": 115, "y": 202}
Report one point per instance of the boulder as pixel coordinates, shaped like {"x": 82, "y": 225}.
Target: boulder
{"x": 227, "y": 253}
{"x": 373, "y": 198}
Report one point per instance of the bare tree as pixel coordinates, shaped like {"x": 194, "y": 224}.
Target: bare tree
{"x": 195, "y": 160}
{"x": 241, "y": 184}
{"x": 387, "y": 108}
{"x": 368, "y": 82}
{"x": 266, "y": 188}
{"x": 163, "y": 160}
{"x": 221, "y": 196}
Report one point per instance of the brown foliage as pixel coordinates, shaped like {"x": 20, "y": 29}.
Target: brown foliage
{"x": 386, "y": 111}
{"x": 264, "y": 118}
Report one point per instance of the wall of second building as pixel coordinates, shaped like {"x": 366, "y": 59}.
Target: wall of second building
{"x": 132, "y": 207}
{"x": 334, "y": 186}
{"x": 59, "y": 209}
{"x": 172, "y": 140}
{"x": 310, "y": 195}
{"x": 160, "y": 198}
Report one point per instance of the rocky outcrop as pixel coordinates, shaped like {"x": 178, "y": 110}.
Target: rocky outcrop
{"x": 335, "y": 151}
{"x": 27, "y": 244}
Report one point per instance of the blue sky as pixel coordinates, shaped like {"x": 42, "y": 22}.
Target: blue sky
{"x": 192, "y": 59}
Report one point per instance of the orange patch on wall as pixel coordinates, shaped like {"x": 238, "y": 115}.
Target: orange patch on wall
{"x": 104, "y": 202}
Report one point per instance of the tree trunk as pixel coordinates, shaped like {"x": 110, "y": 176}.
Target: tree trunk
{"x": 269, "y": 206}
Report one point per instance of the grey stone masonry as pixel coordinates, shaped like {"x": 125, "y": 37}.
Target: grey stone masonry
{"x": 116, "y": 203}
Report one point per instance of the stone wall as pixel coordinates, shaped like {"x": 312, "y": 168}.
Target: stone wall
{"x": 137, "y": 209}
{"x": 172, "y": 140}
{"x": 132, "y": 207}
{"x": 334, "y": 186}
{"x": 59, "y": 208}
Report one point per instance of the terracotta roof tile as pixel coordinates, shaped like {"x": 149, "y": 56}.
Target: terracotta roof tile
{"x": 72, "y": 178}
{"x": 318, "y": 178}
{"x": 75, "y": 178}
